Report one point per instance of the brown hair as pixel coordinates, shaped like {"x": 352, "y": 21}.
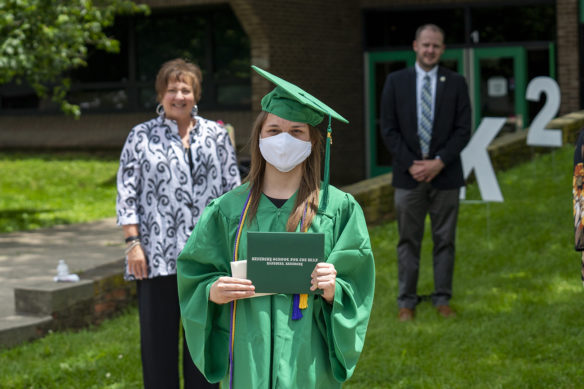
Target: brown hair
{"x": 309, "y": 184}
{"x": 178, "y": 70}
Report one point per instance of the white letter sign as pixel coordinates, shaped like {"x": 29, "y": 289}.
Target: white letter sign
{"x": 475, "y": 156}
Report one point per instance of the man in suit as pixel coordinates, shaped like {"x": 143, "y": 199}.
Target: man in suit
{"x": 425, "y": 124}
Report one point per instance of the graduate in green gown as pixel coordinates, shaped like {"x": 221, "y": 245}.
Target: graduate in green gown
{"x": 279, "y": 341}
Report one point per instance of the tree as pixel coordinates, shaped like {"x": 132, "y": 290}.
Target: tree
{"x": 40, "y": 40}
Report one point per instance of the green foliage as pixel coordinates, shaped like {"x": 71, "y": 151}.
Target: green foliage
{"x": 45, "y": 190}
{"x": 40, "y": 40}
{"x": 517, "y": 291}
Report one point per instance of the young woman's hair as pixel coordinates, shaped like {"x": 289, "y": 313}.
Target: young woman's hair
{"x": 309, "y": 185}
{"x": 179, "y": 70}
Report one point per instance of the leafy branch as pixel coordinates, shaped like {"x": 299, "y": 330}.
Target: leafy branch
{"x": 40, "y": 40}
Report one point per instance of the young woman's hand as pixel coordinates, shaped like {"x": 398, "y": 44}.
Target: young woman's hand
{"x": 227, "y": 289}
{"x": 324, "y": 277}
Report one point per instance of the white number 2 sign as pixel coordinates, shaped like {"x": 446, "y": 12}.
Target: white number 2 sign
{"x": 538, "y": 135}
{"x": 475, "y": 156}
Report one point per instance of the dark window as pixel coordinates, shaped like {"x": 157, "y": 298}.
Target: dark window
{"x": 523, "y": 23}
{"x": 103, "y": 66}
{"x": 539, "y": 65}
{"x": 17, "y": 95}
{"x": 397, "y": 28}
{"x": 463, "y": 25}
{"x": 211, "y": 37}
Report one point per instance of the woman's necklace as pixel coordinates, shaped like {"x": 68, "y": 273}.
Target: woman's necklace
{"x": 186, "y": 138}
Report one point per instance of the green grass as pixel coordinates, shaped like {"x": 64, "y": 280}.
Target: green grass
{"x": 517, "y": 291}
{"x": 104, "y": 357}
{"x": 44, "y": 190}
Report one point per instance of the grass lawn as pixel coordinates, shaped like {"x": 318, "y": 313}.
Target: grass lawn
{"x": 517, "y": 291}
{"x": 104, "y": 357}
{"x": 44, "y": 190}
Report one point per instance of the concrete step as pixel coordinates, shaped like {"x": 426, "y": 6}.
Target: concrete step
{"x": 18, "y": 329}
{"x": 47, "y": 305}
{"x": 49, "y": 297}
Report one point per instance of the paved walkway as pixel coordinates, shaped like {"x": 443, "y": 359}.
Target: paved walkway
{"x": 27, "y": 258}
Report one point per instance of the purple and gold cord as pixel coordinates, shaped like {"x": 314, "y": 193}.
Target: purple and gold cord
{"x": 234, "y": 303}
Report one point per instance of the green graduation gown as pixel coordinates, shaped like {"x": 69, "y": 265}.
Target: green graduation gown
{"x": 271, "y": 350}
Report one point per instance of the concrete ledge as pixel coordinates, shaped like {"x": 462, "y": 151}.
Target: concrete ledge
{"x": 375, "y": 196}
{"x": 19, "y": 329}
{"x": 47, "y": 298}
{"x": 101, "y": 293}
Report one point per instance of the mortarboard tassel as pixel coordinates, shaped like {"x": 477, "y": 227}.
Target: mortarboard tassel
{"x": 303, "y": 301}
{"x": 299, "y": 302}
{"x": 296, "y": 312}
{"x": 327, "y": 156}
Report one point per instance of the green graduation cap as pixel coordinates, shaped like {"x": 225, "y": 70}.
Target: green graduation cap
{"x": 292, "y": 103}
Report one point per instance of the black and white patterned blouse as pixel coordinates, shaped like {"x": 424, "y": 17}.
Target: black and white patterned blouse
{"x": 164, "y": 191}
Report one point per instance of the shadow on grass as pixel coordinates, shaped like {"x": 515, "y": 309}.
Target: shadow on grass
{"x": 28, "y": 219}
{"x": 62, "y": 155}
{"x": 112, "y": 181}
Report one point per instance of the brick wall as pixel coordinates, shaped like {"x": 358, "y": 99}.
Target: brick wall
{"x": 178, "y": 3}
{"x": 568, "y": 54}
{"x": 111, "y": 294}
{"x": 411, "y": 3}
{"x": 316, "y": 45}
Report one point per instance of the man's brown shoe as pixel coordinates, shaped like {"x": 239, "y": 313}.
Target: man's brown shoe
{"x": 406, "y": 314}
{"x": 445, "y": 311}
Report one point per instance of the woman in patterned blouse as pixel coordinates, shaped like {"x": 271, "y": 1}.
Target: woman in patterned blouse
{"x": 171, "y": 167}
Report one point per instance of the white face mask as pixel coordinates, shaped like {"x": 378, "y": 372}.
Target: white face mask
{"x": 284, "y": 152}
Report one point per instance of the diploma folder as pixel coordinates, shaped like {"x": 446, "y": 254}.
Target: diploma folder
{"x": 282, "y": 262}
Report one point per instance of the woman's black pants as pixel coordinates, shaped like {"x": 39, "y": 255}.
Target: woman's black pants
{"x": 159, "y": 337}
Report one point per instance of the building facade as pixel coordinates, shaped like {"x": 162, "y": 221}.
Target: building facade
{"x": 339, "y": 50}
